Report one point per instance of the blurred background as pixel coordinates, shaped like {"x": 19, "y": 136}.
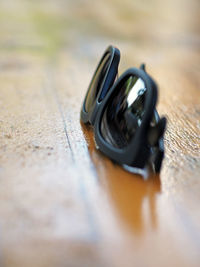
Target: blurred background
{"x": 146, "y": 28}
{"x": 164, "y": 35}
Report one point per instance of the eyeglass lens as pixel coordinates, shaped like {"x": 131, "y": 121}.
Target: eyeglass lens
{"x": 124, "y": 112}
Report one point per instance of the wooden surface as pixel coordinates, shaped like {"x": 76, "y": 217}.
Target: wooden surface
{"x": 62, "y": 203}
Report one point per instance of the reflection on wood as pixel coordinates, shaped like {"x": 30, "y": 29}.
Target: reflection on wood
{"x": 131, "y": 195}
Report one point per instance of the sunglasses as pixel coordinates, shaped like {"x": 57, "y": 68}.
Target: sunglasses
{"x": 127, "y": 127}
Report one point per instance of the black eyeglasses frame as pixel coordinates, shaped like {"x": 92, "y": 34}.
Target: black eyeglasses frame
{"x": 138, "y": 153}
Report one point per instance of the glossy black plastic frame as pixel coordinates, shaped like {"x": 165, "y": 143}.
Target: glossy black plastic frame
{"x": 138, "y": 153}
{"x": 89, "y": 117}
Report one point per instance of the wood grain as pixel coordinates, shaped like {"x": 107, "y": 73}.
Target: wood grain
{"x": 63, "y": 203}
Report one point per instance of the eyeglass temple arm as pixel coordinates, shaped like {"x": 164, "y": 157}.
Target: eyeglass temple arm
{"x": 155, "y": 138}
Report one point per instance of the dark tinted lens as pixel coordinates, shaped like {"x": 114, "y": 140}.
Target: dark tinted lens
{"x": 124, "y": 113}
{"x": 96, "y": 82}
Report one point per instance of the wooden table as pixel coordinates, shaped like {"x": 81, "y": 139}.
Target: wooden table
{"x": 62, "y": 203}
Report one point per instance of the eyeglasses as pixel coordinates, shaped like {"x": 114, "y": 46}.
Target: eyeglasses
{"x": 127, "y": 127}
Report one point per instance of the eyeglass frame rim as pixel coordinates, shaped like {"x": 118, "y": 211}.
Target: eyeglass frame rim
{"x": 129, "y": 155}
{"x": 89, "y": 116}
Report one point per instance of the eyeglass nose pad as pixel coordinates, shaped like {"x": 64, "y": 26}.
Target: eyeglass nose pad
{"x": 155, "y": 140}
{"x": 156, "y": 132}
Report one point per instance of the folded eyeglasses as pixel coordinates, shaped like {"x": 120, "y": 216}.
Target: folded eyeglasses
{"x": 127, "y": 127}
